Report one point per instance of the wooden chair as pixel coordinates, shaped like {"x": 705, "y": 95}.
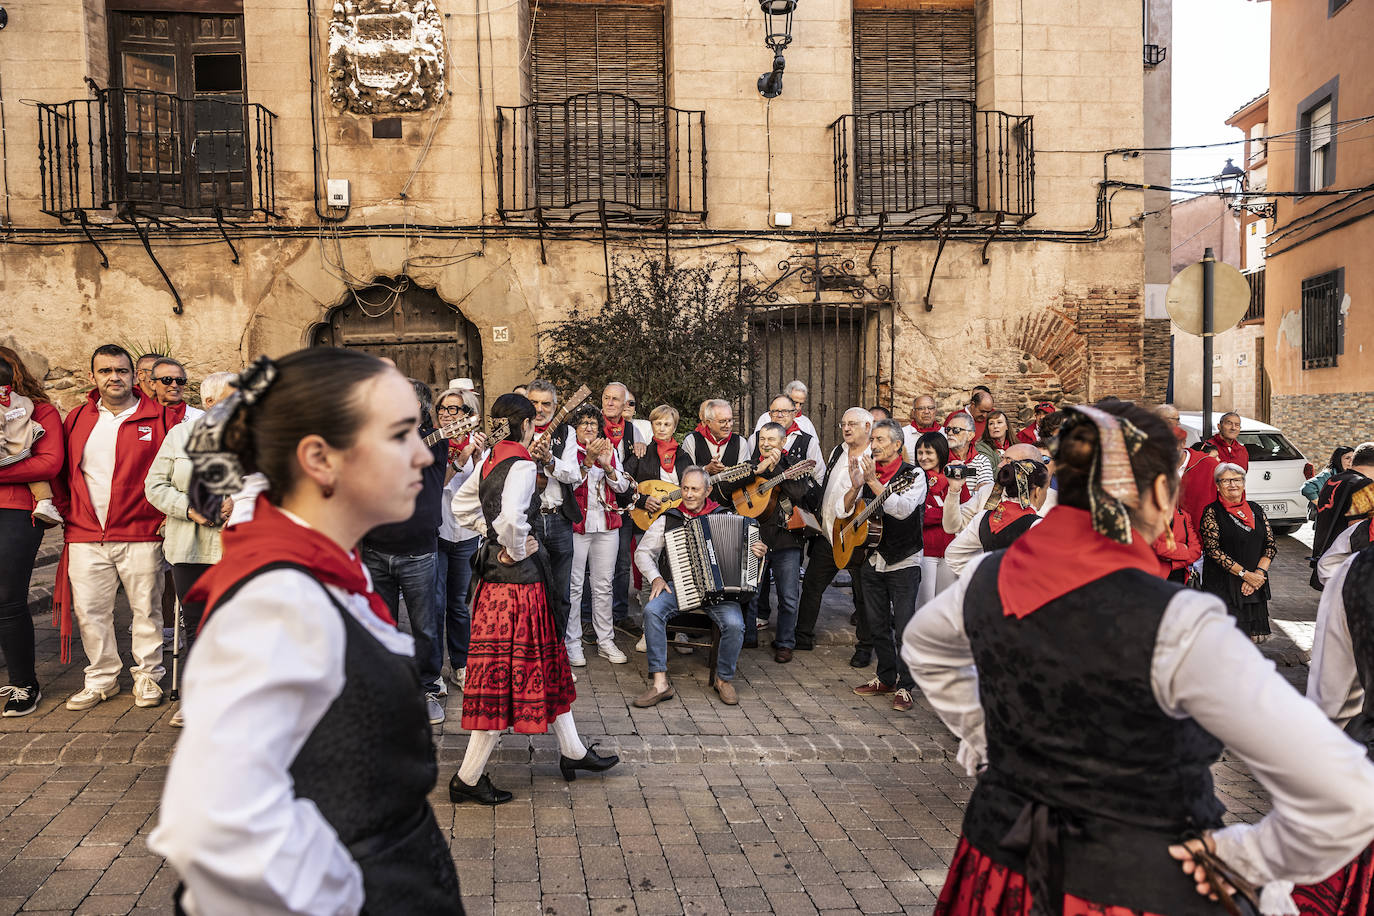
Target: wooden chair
{"x": 701, "y": 632}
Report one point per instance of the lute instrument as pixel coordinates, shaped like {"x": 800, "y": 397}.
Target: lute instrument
{"x": 758, "y": 497}
{"x": 670, "y": 495}
{"x": 859, "y": 528}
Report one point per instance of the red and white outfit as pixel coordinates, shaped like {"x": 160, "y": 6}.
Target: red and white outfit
{"x": 1230, "y": 451}
{"x": 936, "y": 574}
{"x": 596, "y": 541}
{"x": 113, "y": 537}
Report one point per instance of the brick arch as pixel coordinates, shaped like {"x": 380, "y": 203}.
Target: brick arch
{"x": 1052, "y": 337}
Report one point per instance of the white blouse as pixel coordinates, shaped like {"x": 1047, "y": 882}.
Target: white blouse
{"x": 511, "y": 525}
{"x": 1204, "y": 667}
{"x": 594, "y": 477}
{"x": 1333, "y": 680}
{"x": 269, "y": 664}
{"x": 968, "y": 543}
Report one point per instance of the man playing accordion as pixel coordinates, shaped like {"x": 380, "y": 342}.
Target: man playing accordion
{"x": 663, "y": 604}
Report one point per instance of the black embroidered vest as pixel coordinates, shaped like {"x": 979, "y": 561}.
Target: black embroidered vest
{"x": 1001, "y": 540}
{"x": 902, "y": 537}
{"x": 1358, "y": 597}
{"x": 490, "y": 491}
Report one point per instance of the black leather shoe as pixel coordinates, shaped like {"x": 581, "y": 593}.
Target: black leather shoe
{"x": 592, "y": 763}
{"x": 484, "y": 793}
{"x": 861, "y": 658}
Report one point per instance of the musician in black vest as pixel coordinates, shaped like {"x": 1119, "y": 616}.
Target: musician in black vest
{"x": 892, "y": 573}
{"x": 630, "y": 447}
{"x": 1008, "y": 512}
{"x": 557, "y": 513}
{"x": 715, "y": 446}
{"x": 1091, "y": 698}
{"x": 300, "y": 782}
{"x": 1341, "y": 683}
{"x": 784, "y": 544}
{"x": 662, "y": 606}
{"x": 820, "y": 559}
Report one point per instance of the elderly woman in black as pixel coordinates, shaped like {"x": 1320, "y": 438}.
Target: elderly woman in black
{"x": 1237, "y": 548}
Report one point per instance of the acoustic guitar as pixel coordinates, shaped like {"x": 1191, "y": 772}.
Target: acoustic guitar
{"x": 453, "y": 430}
{"x": 670, "y": 495}
{"x": 758, "y": 497}
{"x": 574, "y": 402}
{"x": 858, "y": 528}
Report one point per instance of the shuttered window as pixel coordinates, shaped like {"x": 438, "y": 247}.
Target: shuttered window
{"x": 914, "y": 83}
{"x": 597, "y": 74}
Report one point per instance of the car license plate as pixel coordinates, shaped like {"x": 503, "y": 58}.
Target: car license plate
{"x": 1278, "y": 509}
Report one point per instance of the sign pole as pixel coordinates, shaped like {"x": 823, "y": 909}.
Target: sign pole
{"x": 1208, "y": 285}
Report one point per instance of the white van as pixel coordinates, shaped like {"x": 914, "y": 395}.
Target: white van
{"x": 1277, "y": 470}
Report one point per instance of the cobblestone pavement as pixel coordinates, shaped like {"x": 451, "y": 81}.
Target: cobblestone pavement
{"x": 802, "y": 799}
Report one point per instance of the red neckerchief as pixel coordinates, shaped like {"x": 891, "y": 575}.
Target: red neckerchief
{"x": 539, "y": 430}
{"x": 614, "y": 431}
{"x": 1007, "y": 511}
{"x": 887, "y": 471}
{"x": 270, "y": 538}
{"x": 967, "y": 456}
{"x": 456, "y": 446}
{"x": 1003, "y": 445}
{"x": 792, "y": 428}
{"x": 667, "y": 453}
{"x": 5, "y": 395}
{"x": 503, "y": 450}
{"x": 706, "y": 434}
{"x": 1061, "y": 554}
{"x": 1240, "y": 510}
{"x": 580, "y": 495}
{"x": 176, "y": 413}
{"x": 926, "y": 429}
{"x": 706, "y": 508}
{"x": 1229, "y": 450}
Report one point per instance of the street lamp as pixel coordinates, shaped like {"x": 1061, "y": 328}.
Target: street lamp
{"x": 777, "y": 18}
{"x": 1230, "y": 182}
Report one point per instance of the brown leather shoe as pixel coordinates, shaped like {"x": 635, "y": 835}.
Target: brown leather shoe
{"x": 652, "y": 697}
{"x": 727, "y": 692}
{"x": 873, "y": 688}
{"x": 782, "y": 655}
{"x": 901, "y": 700}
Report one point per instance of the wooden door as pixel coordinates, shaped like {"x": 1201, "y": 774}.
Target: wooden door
{"x": 415, "y": 328}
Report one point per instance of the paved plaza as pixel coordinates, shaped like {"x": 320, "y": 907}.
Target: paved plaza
{"x": 802, "y": 799}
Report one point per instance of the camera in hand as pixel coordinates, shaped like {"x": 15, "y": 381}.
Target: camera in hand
{"x": 957, "y": 472}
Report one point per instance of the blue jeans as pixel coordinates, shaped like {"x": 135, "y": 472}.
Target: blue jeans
{"x": 452, "y": 576}
{"x": 785, "y": 566}
{"x": 396, "y": 575}
{"x": 727, "y": 615}
{"x": 890, "y": 602}
{"x": 558, "y": 541}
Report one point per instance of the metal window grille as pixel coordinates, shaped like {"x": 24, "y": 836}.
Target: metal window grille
{"x": 1321, "y": 330}
{"x": 1256, "y": 280}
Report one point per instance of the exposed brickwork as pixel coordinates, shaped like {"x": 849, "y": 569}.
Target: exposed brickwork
{"x": 1317, "y": 423}
{"x": 1157, "y": 348}
{"x": 1112, "y": 323}
{"x": 1051, "y": 336}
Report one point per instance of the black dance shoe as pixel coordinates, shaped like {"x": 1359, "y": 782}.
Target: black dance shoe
{"x": 592, "y": 763}
{"x": 484, "y": 793}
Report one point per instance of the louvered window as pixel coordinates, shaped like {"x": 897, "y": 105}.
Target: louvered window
{"x": 600, "y": 124}
{"x": 914, "y": 117}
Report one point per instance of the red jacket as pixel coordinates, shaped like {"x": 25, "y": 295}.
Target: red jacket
{"x": 130, "y": 516}
{"x": 1187, "y": 546}
{"x": 43, "y": 464}
{"x": 936, "y": 539}
{"x": 1199, "y": 487}
{"x": 1028, "y": 433}
{"x": 1231, "y": 452}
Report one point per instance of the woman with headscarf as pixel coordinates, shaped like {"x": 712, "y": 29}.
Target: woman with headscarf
{"x": 1092, "y": 703}
{"x": 1010, "y": 511}
{"x": 518, "y": 675}
{"x": 1238, "y": 547}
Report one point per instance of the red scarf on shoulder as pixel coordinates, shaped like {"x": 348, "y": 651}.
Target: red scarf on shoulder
{"x": 271, "y": 537}
{"x": 667, "y": 453}
{"x": 580, "y": 495}
{"x": 705, "y": 432}
{"x": 503, "y": 450}
{"x": 887, "y": 471}
{"x": 706, "y": 508}
{"x": 1007, "y": 511}
{"x": 1240, "y": 510}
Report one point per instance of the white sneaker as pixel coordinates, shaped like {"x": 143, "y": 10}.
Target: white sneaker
{"x": 611, "y": 652}
{"x": 575, "y": 656}
{"x": 46, "y": 514}
{"x": 441, "y": 688}
{"x": 87, "y": 697}
{"x": 147, "y": 692}
{"x": 458, "y": 676}
{"x": 641, "y": 646}
{"x": 682, "y": 649}
{"x": 178, "y": 720}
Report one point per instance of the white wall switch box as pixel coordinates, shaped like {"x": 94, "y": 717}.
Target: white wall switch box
{"x": 782, "y": 220}
{"x": 336, "y": 192}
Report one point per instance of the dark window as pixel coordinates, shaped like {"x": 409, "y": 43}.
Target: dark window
{"x": 1269, "y": 447}
{"x": 1315, "y": 164}
{"x": 1322, "y": 323}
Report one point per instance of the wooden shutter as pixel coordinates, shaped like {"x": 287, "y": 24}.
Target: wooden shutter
{"x": 599, "y": 92}
{"x": 913, "y": 158}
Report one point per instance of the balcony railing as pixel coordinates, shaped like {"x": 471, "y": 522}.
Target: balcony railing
{"x": 903, "y": 164}
{"x": 600, "y": 153}
{"x": 1256, "y": 280}
{"x": 156, "y": 153}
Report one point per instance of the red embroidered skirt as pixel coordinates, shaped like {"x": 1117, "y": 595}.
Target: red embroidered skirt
{"x": 518, "y": 675}
{"x": 1349, "y": 892}
{"x": 978, "y": 886}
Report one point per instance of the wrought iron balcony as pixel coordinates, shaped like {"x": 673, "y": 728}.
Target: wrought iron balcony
{"x": 600, "y": 154}
{"x": 906, "y": 164}
{"x": 1256, "y": 280}
{"x": 158, "y": 154}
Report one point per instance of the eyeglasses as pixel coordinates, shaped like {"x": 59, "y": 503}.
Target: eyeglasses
{"x": 1231, "y": 482}
{"x": 454, "y": 410}
{"x": 170, "y": 380}
{"x": 956, "y": 430}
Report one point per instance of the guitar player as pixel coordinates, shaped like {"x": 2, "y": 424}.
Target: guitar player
{"x": 783, "y": 561}
{"x": 891, "y": 574}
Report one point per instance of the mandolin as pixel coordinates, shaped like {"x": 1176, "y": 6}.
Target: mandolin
{"x": 856, "y": 530}
{"x": 670, "y": 495}
{"x": 756, "y": 499}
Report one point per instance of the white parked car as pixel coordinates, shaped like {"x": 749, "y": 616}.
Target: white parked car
{"x": 1277, "y": 470}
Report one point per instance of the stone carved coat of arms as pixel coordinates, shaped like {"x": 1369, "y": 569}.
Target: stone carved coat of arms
{"x": 385, "y": 56}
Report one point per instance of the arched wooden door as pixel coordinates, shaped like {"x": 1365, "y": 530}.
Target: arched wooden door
{"x": 414, "y": 327}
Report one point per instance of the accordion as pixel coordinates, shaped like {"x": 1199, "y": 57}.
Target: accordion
{"x": 711, "y": 560}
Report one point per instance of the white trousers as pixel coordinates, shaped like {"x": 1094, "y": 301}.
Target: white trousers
{"x": 936, "y": 576}
{"x": 96, "y": 572}
{"x": 600, "y": 550}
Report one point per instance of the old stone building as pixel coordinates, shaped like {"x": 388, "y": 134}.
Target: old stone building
{"x": 436, "y": 179}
